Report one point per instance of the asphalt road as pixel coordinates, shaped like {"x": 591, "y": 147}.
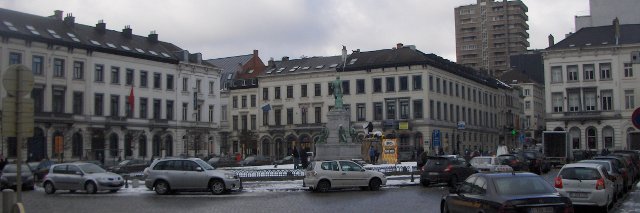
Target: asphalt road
{"x": 389, "y": 199}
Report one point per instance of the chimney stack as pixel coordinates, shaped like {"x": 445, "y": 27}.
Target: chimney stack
{"x": 101, "y": 27}
{"x": 57, "y": 14}
{"x": 153, "y": 37}
{"x": 399, "y": 45}
{"x": 255, "y": 53}
{"x": 616, "y": 28}
{"x": 551, "y": 40}
{"x": 127, "y": 32}
{"x": 70, "y": 20}
{"x": 271, "y": 63}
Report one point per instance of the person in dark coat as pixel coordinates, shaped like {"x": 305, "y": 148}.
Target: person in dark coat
{"x": 422, "y": 160}
{"x": 372, "y": 155}
{"x": 304, "y": 159}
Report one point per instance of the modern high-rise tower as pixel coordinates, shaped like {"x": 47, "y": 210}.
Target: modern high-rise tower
{"x": 488, "y": 32}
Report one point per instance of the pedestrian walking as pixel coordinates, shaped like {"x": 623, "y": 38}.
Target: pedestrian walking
{"x": 372, "y": 155}
{"x": 296, "y": 157}
{"x": 304, "y": 159}
{"x": 377, "y": 154}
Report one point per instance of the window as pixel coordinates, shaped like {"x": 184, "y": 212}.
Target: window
{"x": 170, "y": 83}
{"x": 330, "y": 88}
{"x": 15, "y": 58}
{"x": 128, "y": 78}
{"x": 157, "y": 108}
{"x": 361, "y": 113}
{"x": 115, "y": 75}
{"x": 317, "y": 113}
{"x": 253, "y": 100}
{"x": 346, "y": 87}
{"x": 591, "y": 138}
{"x": 277, "y": 93}
{"x": 589, "y": 71}
{"x": 417, "y": 109}
{"x": 169, "y": 111}
{"x": 431, "y": 83}
{"x": 277, "y": 116}
{"x": 450, "y": 88}
{"x": 243, "y": 101}
{"x": 157, "y": 78}
{"x": 244, "y": 122}
{"x": 527, "y": 105}
{"x": 265, "y": 118}
{"x": 253, "y": 122}
{"x": 198, "y": 85}
{"x": 58, "y": 100}
{"x": 629, "y": 99}
{"x": 437, "y": 85}
{"x": 234, "y": 102}
{"x": 403, "y": 83}
{"x": 377, "y": 85}
{"x": 78, "y": 70}
{"x": 223, "y": 113}
{"x": 558, "y": 103}
{"x": 590, "y": 100}
{"x": 303, "y": 90}
{"x": 417, "y": 82}
{"x": 115, "y": 105}
{"x": 391, "y": 109}
{"x": 143, "y": 108}
{"x": 605, "y": 71}
{"x": 527, "y": 92}
{"x": 265, "y": 94}
{"x": 289, "y": 116}
{"x": 234, "y": 121}
{"x": 391, "y": 84}
{"x": 58, "y": 68}
{"x": 289, "y": 91}
{"x": 572, "y": 73}
{"x": 98, "y": 105}
{"x": 185, "y": 109}
{"x": 360, "y": 86}
{"x": 185, "y": 84}
{"x": 143, "y": 79}
{"x": 574, "y": 101}
{"x": 556, "y": 74}
{"x": 37, "y": 65}
{"x": 628, "y": 70}
{"x": 607, "y": 99}
{"x": 432, "y": 110}
{"x": 463, "y": 94}
{"x": 78, "y": 103}
{"x": 444, "y": 86}
{"x": 303, "y": 115}
{"x": 607, "y": 137}
{"x": 211, "y": 84}
{"x": 404, "y": 109}
{"x": 377, "y": 111}
{"x": 317, "y": 91}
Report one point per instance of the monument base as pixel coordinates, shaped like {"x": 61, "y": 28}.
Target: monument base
{"x": 338, "y": 151}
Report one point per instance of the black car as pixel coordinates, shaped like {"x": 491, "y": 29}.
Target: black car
{"x": 285, "y": 160}
{"x": 535, "y": 161}
{"x": 623, "y": 169}
{"x": 8, "y": 179}
{"x": 449, "y": 170}
{"x": 218, "y": 162}
{"x": 512, "y": 160}
{"x": 129, "y": 166}
{"x": 504, "y": 192}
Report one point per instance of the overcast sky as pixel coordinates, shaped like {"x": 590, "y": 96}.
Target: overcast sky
{"x": 295, "y": 28}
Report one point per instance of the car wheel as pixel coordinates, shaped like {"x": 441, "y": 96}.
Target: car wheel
{"x": 374, "y": 184}
{"x": 453, "y": 181}
{"x": 113, "y": 190}
{"x": 445, "y": 209}
{"x": 216, "y": 187}
{"x": 49, "y": 188}
{"x": 162, "y": 187}
{"x": 323, "y": 186}
{"x": 91, "y": 188}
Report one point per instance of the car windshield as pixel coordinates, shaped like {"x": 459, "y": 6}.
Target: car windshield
{"x": 603, "y": 163}
{"x": 580, "y": 173}
{"x": 12, "y": 168}
{"x": 90, "y": 168}
{"x": 522, "y": 186}
{"x": 124, "y": 162}
{"x": 436, "y": 163}
{"x": 204, "y": 165}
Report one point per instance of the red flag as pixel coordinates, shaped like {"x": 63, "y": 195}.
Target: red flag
{"x": 131, "y": 100}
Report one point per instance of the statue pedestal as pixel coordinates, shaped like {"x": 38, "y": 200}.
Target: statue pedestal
{"x": 333, "y": 149}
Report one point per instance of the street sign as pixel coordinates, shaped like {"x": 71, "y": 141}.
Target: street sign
{"x": 635, "y": 118}
{"x": 521, "y": 137}
{"x": 436, "y": 138}
{"x": 462, "y": 125}
{"x": 15, "y": 73}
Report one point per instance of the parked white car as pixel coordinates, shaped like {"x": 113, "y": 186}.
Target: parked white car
{"x": 489, "y": 164}
{"x": 81, "y": 176}
{"x": 322, "y": 176}
{"x": 586, "y": 184}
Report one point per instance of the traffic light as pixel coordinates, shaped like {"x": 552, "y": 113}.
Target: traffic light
{"x": 514, "y": 132}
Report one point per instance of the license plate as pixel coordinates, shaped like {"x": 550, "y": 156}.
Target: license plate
{"x": 578, "y": 194}
{"x": 433, "y": 173}
{"x": 541, "y": 210}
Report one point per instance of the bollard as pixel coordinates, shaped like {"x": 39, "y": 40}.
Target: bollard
{"x": 126, "y": 181}
{"x": 412, "y": 176}
{"x": 8, "y": 200}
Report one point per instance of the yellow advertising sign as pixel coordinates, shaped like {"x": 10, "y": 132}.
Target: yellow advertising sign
{"x": 390, "y": 151}
{"x": 403, "y": 125}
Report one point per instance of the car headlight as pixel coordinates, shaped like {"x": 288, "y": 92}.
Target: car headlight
{"x": 230, "y": 176}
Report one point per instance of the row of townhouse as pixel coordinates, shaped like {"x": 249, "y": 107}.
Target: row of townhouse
{"x": 403, "y": 92}
{"x": 591, "y": 85}
{"x": 110, "y": 95}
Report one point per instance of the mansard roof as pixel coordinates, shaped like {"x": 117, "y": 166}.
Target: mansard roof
{"x": 600, "y": 37}
{"x": 65, "y": 32}
{"x": 229, "y": 66}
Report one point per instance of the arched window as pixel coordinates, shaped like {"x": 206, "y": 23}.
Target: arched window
{"x": 76, "y": 145}
{"x": 168, "y": 145}
{"x": 113, "y": 145}
{"x": 607, "y": 137}
{"x": 128, "y": 138}
{"x": 574, "y": 134}
{"x": 156, "y": 146}
{"x": 591, "y": 138}
{"x": 57, "y": 136}
{"x": 142, "y": 146}
{"x": 266, "y": 151}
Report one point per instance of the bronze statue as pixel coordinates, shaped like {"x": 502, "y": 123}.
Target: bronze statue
{"x": 323, "y": 135}
{"x": 337, "y": 92}
{"x": 342, "y": 134}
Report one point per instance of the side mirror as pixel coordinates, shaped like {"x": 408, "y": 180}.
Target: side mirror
{"x": 199, "y": 169}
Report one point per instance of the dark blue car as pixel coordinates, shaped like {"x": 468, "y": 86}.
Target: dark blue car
{"x": 505, "y": 192}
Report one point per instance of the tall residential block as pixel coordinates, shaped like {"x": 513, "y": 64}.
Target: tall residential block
{"x": 488, "y": 32}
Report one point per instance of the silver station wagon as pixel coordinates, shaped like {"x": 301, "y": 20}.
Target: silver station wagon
{"x": 322, "y": 176}
{"x": 169, "y": 175}
{"x": 81, "y": 176}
